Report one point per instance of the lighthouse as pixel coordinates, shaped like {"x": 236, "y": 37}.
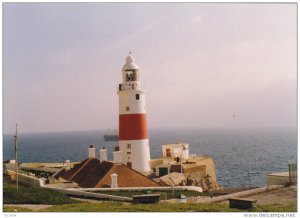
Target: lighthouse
{"x": 133, "y": 132}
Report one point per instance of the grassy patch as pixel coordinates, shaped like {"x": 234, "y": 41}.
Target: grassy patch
{"x": 15, "y": 209}
{"x": 126, "y": 207}
{"x": 31, "y": 195}
{"x": 163, "y": 207}
{"x": 275, "y": 208}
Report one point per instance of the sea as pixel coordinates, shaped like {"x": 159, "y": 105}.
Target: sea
{"x": 242, "y": 157}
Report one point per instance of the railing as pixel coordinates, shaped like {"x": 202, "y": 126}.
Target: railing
{"x": 129, "y": 86}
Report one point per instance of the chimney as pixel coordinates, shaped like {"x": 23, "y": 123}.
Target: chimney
{"x": 103, "y": 154}
{"x": 91, "y": 152}
{"x": 68, "y": 164}
{"x": 114, "y": 180}
{"x": 117, "y": 155}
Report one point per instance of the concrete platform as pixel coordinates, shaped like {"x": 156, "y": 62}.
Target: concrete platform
{"x": 285, "y": 196}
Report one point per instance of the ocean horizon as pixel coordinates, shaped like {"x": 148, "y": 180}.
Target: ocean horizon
{"x": 241, "y": 156}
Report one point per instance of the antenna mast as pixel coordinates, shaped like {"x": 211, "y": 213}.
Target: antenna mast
{"x": 16, "y": 156}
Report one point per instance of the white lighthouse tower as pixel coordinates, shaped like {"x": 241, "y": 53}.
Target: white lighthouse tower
{"x": 133, "y": 132}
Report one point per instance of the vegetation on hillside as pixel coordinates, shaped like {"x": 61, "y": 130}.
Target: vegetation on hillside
{"x": 162, "y": 207}
{"x": 31, "y": 195}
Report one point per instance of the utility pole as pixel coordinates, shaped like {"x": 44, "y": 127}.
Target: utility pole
{"x": 16, "y": 156}
{"x": 249, "y": 178}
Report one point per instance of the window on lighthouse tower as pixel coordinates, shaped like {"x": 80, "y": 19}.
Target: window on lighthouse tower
{"x": 131, "y": 75}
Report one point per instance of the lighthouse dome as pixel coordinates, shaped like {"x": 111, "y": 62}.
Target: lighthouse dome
{"x": 130, "y": 65}
{"x": 129, "y": 59}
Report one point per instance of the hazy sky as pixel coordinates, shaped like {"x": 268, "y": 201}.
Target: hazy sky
{"x": 200, "y": 64}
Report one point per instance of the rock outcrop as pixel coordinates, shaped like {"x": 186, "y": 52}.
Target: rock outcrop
{"x": 206, "y": 183}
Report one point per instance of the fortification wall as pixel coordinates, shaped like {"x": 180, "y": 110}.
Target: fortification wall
{"x": 195, "y": 172}
{"x": 210, "y": 168}
{"x": 203, "y": 165}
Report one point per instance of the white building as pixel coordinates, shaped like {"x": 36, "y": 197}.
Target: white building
{"x": 133, "y": 132}
{"x": 180, "y": 150}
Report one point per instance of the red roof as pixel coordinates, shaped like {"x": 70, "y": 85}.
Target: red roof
{"x": 90, "y": 173}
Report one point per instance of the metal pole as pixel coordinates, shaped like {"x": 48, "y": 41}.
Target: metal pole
{"x": 248, "y": 179}
{"x": 16, "y": 157}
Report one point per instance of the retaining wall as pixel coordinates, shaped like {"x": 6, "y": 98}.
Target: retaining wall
{"x": 85, "y": 194}
{"x": 25, "y": 179}
{"x": 164, "y": 188}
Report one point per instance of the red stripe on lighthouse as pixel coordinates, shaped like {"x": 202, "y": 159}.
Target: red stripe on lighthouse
{"x": 133, "y": 127}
